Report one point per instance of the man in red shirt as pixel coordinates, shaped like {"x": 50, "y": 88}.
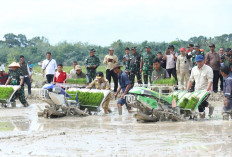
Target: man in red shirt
{"x": 60, "y": 75}
{"x": 3, "y": 76}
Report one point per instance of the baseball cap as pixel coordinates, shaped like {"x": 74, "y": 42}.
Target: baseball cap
{"x": 228, "y": 49}
{"x": 196, "y": 45}
{"x": 133, "y": 48}
{"x": 190, "y": 45}
{"x": 199, "y": 58}
{"x": 92, "y": 50}
{"x": 182, "y": 49}
{"x": 127, "y": 48}
{"x": 148, "y": 47}
{"x": 99, "y": 75}
{"x": 78, "y": 67}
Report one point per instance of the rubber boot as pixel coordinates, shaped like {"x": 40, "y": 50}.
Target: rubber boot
{"x": 211, "y": 109}
{"x": 13, "y": 104}
{"x": 202, "y": 115}
{"x": 119, "y": 109}
{"x": 26, "y": 104}
{"x": 225, "y": 116}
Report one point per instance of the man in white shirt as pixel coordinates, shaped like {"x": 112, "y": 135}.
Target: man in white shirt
{"x": 203, "y": 76}
{"x": 50, "y": 66}
{"x": 110, "y": 60}
{"x": 170, "y": 56}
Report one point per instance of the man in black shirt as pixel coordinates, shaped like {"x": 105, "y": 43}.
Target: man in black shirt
{"x": 160, "y": 57}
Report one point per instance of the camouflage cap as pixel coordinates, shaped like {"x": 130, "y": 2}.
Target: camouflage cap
{"x": 148, "y": 47}
{"x": 92, "y": 50}
{"x": 133, "y": 48}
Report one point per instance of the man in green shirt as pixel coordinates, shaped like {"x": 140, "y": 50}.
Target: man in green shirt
{"x": 78, "y": 74}
{"x": 159, "y": 72}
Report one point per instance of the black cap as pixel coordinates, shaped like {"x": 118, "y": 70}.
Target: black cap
{"x": 197, "y": 45}
{"x": 92, "y": 50}
{"x": 190, "y": 45}
{"x": 100, "y": 74}
{"x": 171, "y": 46}
{"x": 127, "y": 48}
{"x": 211, "y": 45}
{"x": 228, "y": 49}
{"x": 133, "y": 48}
{"x": 21, "y": 56}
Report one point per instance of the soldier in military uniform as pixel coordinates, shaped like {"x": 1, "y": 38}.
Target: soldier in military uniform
{"x": 91, "y": 63}
{"x": 134, "y": 67}
{"x": 16, "y": 77}
{"x": 101, "y": 83}
{"x": 146, "y": 65}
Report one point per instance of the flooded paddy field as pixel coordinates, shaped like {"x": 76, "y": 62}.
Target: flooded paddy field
{"x": 23, "y": 133}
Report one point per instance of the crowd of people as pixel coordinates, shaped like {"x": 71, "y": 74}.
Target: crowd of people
{"x": 195, "y": 69}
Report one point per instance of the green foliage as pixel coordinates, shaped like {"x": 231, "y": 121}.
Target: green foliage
{"x": 171, "y": 81}
{"x": 5, "y": 92}
{"x": 34, "y": 49}
{"x": 192, "y": 103}
{"x": 91, "y": 99}
{"x": 184, "y": 103}
{"x": 77, "y": 81}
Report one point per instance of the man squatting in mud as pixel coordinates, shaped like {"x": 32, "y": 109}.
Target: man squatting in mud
{"x": 101, "y": 83}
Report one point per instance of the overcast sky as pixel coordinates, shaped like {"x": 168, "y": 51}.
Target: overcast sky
{"x": 104, "y": 21}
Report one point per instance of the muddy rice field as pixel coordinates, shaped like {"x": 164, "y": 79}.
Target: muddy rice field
{"x": 22, "y": 133}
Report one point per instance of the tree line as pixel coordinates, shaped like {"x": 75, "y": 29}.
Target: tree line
{"x": 34, "y": 49}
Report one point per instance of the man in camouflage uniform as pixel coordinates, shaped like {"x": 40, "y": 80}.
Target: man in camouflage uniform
{"x": 16, "y": 77}
{"x": 101, "y": 83}
{"x": 146, "y": 65}
{"x": 91, "y": 63}
{"x": 133, "y": 65}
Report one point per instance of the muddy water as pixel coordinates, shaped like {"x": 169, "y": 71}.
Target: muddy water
{"x": 24, "y": 134}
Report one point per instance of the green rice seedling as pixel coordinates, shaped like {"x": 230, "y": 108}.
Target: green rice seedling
{"x": 170, "y": 81}
{"x": 89, "y": 98}
{"x": 5, "y": 92}
{"x": 77, "y": 81}
{"x": 184, "y": 103}
{"x": 192, "y": 103}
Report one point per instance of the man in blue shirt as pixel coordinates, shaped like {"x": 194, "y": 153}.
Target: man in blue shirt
{"x": 227, "y": 90}
{"x": 125, "y": 86}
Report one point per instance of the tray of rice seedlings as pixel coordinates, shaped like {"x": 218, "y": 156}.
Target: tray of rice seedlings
{"x": 77, "y": 81}
{"x": 169, "y": 82}
{"x": 90, "y": 100}
{"x": 192, "y": 102}
{"x": 184, "y": 103}
{"x": 6, "y": 93}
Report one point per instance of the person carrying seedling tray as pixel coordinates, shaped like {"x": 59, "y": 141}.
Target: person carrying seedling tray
{"x": 16, "y": 78}
{"x": 203, "y": 76}
{"x": 101, "y": 83}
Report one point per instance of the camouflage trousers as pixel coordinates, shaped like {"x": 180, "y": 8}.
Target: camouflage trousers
{"x": 19, "y": 94}
{"x": 146, "y": 75}
{"x": 132, "y": 77}
{"x": 91, "y": 74}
